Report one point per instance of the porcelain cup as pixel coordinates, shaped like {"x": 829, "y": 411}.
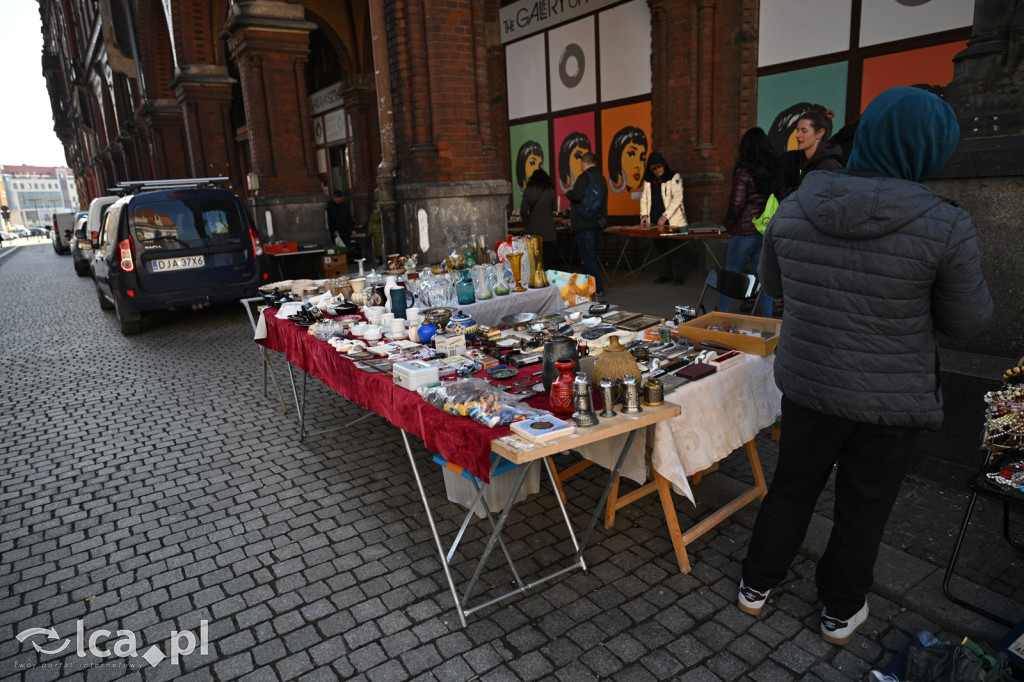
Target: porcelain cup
{"x": 372, "y": 332}
{"x": 396, "y": 326}
{"x": 386, "y": 318}
{"x": 373, "y": 313}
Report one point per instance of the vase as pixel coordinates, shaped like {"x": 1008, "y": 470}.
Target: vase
{"x": 462, "y": 324}
{"x": 615, "y": 362}
{"x": 519, "y": 246}
{"x": 425, "y": 333}
{"x": 560, "y": 393}
{"x": 515, "y": 261}
{"x": 390, "y": 282}
{"x": 557, "y": 349}
{"x": 464, "y": 288}
{"x": 535, "y": 248}
{"x": 481, "y": 289}
{"x": 398, "y": 300}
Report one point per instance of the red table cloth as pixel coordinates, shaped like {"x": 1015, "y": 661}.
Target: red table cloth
{"x": 460, "y": 440}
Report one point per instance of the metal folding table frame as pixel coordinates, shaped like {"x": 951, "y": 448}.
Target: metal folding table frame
{"x": 621, "y": 423}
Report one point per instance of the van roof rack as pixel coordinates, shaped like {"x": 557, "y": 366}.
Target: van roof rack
{"x": 136, "y": 186}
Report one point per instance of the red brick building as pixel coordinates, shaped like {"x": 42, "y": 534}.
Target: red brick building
{"x": 291, "y": 95}
{"x": 431, "y": 102}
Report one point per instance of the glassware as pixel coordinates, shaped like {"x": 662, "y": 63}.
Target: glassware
{"x": 464, "y": 288}
{"x": 481, "y": 288}
{"x": 516, "y": 261}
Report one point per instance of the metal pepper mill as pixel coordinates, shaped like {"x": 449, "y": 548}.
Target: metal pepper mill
{"x": 607, "y": 387}
{"x": 630, "y": 395}
{"x": 583, "y": 401}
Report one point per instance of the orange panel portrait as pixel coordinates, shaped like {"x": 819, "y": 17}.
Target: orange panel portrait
{"x": 625, "y": 143}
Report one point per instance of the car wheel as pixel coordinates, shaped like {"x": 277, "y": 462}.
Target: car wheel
{"x": 130, "y": 321}
{"x": 81, "y": 269}
{"x": 104, "y": 303}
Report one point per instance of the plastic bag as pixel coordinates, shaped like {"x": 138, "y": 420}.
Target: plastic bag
{"x": 479, "y": 400}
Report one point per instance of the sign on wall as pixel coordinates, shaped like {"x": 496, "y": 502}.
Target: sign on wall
{"x": 580, "y": 73}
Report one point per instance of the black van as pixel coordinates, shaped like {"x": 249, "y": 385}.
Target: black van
{"x": 169, "y": 244}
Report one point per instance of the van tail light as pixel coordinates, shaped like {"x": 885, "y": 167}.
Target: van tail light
{"x": 257, "y": 246}
{"x": 125, "y": 246}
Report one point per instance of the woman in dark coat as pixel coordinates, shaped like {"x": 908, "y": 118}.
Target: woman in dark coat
{"x": 538, "y": 207}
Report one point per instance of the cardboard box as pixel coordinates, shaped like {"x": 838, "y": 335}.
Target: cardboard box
{"x": 762, "y": 339}
{"x": 335, "y": 266}
{"x": 449, "y": 345}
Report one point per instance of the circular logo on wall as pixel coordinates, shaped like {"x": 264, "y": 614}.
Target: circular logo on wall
{"x": 572, "y": 52}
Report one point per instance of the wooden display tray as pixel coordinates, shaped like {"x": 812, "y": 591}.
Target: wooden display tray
{"x": 696, "y": 330}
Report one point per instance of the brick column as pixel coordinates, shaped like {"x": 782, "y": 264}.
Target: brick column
{"x": 270, "y": 44}
{"x": 166, "y": 133}
{"x": 204, "y": 94}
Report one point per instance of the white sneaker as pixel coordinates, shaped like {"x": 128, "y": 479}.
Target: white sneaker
{"x": 750, "y": 600}
{"x": 840, "y": 632}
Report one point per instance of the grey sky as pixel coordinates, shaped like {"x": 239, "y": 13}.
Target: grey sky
{"x": 26, "y": 121}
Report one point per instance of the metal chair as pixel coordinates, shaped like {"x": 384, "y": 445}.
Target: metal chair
{"x": 738, "y": 285}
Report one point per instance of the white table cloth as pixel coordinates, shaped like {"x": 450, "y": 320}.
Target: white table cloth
{"x": 719, "y": 414}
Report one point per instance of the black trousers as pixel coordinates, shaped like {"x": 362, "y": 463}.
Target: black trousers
{"x": 871, "y": 462}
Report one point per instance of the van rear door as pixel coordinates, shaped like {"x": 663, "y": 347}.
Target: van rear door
{"x": 191, "y": 239}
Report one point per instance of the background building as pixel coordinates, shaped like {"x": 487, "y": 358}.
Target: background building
{"x": 32, "y": 194}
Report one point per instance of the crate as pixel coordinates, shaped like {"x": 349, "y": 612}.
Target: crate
{"x": 458, "y": 483}
{"x": 696, "y": 330}
{"x": 278, "y": 248}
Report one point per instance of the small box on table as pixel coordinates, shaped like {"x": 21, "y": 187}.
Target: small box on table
{"x": 278, "y": 248}
{"x": 413, "y": 374}
{"x": 449, "y": 345}
{"x": 754, "y": 335}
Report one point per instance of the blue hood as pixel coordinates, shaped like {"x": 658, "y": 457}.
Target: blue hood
{"x": 906, "y": 133}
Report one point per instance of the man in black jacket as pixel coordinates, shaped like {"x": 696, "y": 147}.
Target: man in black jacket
{"x": 587, "y": 230}
{"x": 339, "y": 218}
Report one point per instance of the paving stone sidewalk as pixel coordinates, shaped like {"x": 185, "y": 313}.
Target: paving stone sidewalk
{"x": 147, "y": 485}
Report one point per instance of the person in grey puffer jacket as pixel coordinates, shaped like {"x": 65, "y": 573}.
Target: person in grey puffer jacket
{"x": 872, "y": 265}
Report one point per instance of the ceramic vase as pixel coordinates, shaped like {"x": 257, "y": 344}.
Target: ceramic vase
{"x": 557, "y": 349}
{"x": 560, "y": 393}
{"x": 481, "y": 289}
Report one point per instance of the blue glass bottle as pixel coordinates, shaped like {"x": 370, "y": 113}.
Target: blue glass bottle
{"x": 464, "y": 288}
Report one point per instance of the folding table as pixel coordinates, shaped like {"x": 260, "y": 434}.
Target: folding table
{"x": 662, "y": 244}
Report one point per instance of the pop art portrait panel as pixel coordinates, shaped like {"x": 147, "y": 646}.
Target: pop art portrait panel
{"x": 625, "y": 143}
{"x": 528, "y": 144}
{"x": 574, "y": 136}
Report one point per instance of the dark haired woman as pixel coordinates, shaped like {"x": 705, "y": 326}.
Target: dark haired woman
{"x": 528, "y": 160}
{"x": 627, "y": 160}
{"x": 661, "y": 205}
{"x": 757, "y": 175}
{"x": 538, "y": 207}
{"x": 574, "y": 146}
{"x": 816, "y": 151}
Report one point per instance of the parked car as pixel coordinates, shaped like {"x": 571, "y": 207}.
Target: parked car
{"x": 174, "y": 246}
{"x": 39, "y": 231}
{"x": 6, "y": 236}
{"x": 63, "y": 225}
{"x": 80, "y": 255}
{"x": 86, "y": 231}
{"x": 20, "y": 232}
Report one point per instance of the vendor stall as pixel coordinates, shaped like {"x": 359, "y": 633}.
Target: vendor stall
{"x": 588, "y": 379}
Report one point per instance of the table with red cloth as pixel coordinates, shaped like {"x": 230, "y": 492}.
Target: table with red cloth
{"x": 460, "y": 440}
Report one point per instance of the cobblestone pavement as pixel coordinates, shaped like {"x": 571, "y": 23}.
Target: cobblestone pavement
{"x": 148, "y": 485}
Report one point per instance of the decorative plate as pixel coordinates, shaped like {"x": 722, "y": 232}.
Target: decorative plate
{"x": 504, "y": 373}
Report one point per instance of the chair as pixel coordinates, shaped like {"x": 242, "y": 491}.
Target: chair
{"x": 980, "y": 484}
{"x": 730, "y": 283}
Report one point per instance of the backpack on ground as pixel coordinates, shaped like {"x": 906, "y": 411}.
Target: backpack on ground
{"x": 593, "y": 199}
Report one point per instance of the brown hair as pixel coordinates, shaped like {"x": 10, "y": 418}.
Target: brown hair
{"x": 821, "y": 119}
